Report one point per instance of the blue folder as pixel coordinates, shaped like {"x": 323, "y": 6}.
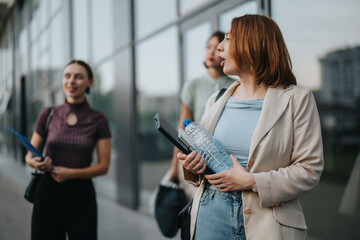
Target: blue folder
{"x": 26, "y": 143}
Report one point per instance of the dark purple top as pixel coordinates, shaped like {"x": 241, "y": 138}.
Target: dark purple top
{"x": 72, "y": 146}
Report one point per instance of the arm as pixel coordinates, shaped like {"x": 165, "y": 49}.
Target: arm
{"x": 189, "y": 176}
{"x": 185, "y": 113}
{"x": 306, "y": 163}
{"x": 61, "y": 174}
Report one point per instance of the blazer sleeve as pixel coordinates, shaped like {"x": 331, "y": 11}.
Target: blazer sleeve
{"x": 195, "y": 179}
{"x": 306, "y": 163}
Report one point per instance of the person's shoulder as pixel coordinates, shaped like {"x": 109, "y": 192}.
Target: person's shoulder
{"x": 98, "y": 115}
{"x": 193, "y": 84}
{"x": 197, "y": 81}
{"x": 46, "y": 111}
{"x": 298, "y": 91}
{"x": 299, "y": 94}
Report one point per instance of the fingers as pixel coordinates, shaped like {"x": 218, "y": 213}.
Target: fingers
{"x": 40, "y": 165}
{"x": 202, "y": 170}
{"x": 181, "y": 156}
{"x": 192, "y": 162}
{"x": 195, "y": 162}
{"x": 55, "y": 177}
{"x": 214, "y": 176}
{"x": 235, "y": 161}
{"x": 185, "y": 160}
{"x": 37, "y": 163}
{"x": 216, "y": 180}
{"x": 54, "y": 171}
{"x": 48, "y": 164}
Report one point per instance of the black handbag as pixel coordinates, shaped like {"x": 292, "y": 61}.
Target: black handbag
{"x": 29, "y": 194}
{"x": 168, "y": 204}
{"x": 31, "y": 187}
{"x": 184, "y": 221}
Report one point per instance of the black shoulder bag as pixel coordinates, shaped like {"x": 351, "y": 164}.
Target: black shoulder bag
{"x": 36, "y": 176}
{"x": 184, "y": 217}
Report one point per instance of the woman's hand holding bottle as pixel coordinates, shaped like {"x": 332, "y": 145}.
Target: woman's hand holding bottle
{"x": 234, "y": 179}
{"x": 192, "y": 162}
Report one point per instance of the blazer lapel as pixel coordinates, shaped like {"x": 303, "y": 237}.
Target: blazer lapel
{"x": 275, "y": 103}
{"x": 211, "y": 118}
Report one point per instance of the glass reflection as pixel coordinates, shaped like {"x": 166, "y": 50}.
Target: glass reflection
{"x": 55, "y": 5}
{"x": 34, "y": 67}
{"x": 157, "y": 87}
{"x": 325, "y": 51}
{"x": 151, "y": 15}
{"x": 43, "y": 13}
{"x": 187, "y": 6}
{"x": 34, "y": 24}
{"x": 44, "y": 41}
{"x": 23, "y": 44}
{"x": 80, "y": 29}
{"x": 102, "y": 16}
{"x": 249, "y": 7}
{"x": 102, "y": 95}
{"x": 195, "y": 40}
{"x": 58, "y": 48}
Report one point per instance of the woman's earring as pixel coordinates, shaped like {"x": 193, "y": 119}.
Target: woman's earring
{"x": 87, "y": 91}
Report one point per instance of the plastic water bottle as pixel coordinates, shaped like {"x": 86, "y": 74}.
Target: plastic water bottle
{"x": 214, "y": 154}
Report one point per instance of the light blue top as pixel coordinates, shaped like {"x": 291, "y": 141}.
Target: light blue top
{"x": 236, "y": 126}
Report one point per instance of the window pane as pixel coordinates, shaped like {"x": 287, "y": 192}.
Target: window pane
{"x": 80, "y": 29}
{"x": 151, "y": 15}
{"x": 249, "y": 7}
{"x": 102, "y": 28}
{"x": 58, "y": 47}
{"x": 55, "y": 5}
{"x": 187, "y": 6}
{"x": 34, "y": 24}
{"x": 23, "y": 43}
{"x": 34, "y": 67}
{"x": 103, "y": 100}
{"x": 195, "y": 40}
{"x": 156, "y": 59}
{"x": 157, "y": 83}
{"x": 43, "y": 13}
{"x": 324, "y": 42}
{"x": 44, "y": 41}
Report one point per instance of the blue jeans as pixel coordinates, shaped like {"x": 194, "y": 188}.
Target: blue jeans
{"x": 220, "y": 215}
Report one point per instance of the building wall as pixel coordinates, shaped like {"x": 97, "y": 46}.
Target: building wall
{"x": 142, "y": 52}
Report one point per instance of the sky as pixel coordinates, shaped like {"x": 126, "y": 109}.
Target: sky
{"x": 314, "y": 28}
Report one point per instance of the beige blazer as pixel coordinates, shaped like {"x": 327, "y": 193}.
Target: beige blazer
{"x": 286, "y": 159}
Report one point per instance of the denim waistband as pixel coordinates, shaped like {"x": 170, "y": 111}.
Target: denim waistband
{"x": 227, "y": 194}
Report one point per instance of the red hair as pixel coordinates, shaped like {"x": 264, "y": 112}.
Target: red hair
{"x": 256, "y": 41}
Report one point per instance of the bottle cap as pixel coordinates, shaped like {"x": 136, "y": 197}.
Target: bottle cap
{"x": 186, "y": 122}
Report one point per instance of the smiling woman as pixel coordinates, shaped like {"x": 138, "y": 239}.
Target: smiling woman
{"x": 73, "y": 132}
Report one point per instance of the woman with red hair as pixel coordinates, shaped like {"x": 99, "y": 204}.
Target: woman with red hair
{"x": 271, "y": 128}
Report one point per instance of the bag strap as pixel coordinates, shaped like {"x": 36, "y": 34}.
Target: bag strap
{"x": 51, "y": 113}
{"x": 195, "y": 208}
{"x": 221, "y": 92}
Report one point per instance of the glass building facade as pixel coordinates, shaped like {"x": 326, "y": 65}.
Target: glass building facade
{"x": 142, "y": 52}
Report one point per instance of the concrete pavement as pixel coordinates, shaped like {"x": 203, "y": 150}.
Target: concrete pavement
{"x": 115, "y": 221}
{"x": 119, "y": 222}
